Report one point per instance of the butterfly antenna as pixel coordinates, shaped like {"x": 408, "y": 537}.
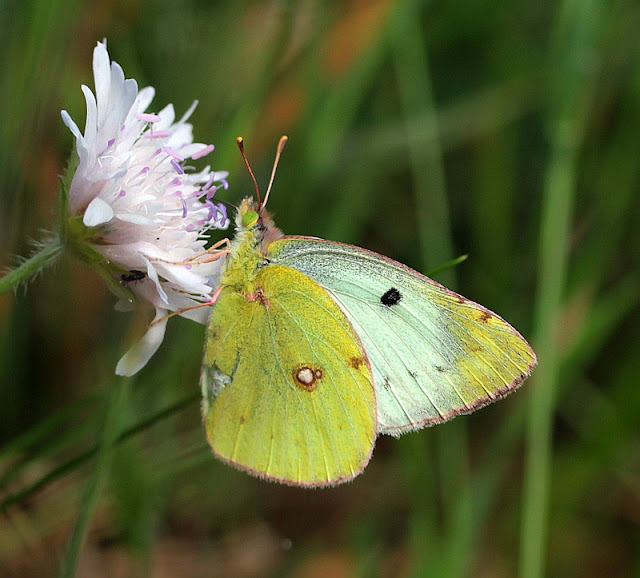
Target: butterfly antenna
{"x": 283, "y": 141}
{"x": 240, "y": 142}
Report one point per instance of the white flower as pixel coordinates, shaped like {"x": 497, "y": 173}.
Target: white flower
{"x": 142, "y": 209}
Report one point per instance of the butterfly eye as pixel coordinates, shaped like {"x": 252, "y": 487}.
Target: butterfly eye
{"x": 249, "y": 219}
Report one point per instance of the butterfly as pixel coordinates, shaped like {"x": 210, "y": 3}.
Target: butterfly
{"x": 314, "y": 348}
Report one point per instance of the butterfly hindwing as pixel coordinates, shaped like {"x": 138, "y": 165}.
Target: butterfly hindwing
{"x": 287, "y": 387}
{"x": 434, "y": 354}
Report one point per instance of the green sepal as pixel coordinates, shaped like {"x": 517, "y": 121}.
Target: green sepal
{"x": 63, "y": 199}
{"x": 77, "y": 239}
{"x": 78, "y": 245}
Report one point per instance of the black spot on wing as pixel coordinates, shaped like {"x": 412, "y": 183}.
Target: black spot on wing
{"x": 391, "y": 297}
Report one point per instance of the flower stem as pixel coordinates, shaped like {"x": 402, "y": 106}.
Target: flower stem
{"x": 32, "y": 266}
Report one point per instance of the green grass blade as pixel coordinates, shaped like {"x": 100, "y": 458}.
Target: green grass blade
{"x": 571, "y": 94}
{"x": 117, "y": 397}
{"x": 77, "y": 461}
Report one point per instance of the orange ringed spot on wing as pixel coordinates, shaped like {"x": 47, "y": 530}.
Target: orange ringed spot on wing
{"x": 356, "y": 362}
{"x": 306, "y": 377}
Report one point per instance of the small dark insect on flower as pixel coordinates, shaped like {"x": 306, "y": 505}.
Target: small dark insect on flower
{"x": 131, "y": 276}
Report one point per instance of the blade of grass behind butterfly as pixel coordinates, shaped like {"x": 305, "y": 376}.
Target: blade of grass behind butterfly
{"x": 500, "y": 269}
{"x": 356, "y": 204}
{"x": 140, "y": 494}
{"x": 600, "y": 466}
{"x": 608, "y": 312}
{"x": 31, "y": 66}
{"x": 462, "y": 120}
{"x": 117, "y": 393}
{"x": 336, "y": 178}
{"x": 504, "y": 445}
{"x": 235, "y": 108}
{"x": 46, "y": 439}
{"x": 409, "y": 52}
{"x": 602, "y": 412}
{"x": 384, "y": 143}
{"x": 81, "y": 458}
{"x": 570, "y": 93}
{"x": 252, "y": 103}
{"x": 613, "y": 172}
{"x": 610, "y": 169}
{"x": 331, "y": 116}
{"x": 497, "y": 455}
{"x": 162, "y": 384}
{"x": 492, "y": 219}
{"x": 175, "y": 366}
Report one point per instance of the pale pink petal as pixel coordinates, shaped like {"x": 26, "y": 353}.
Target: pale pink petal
{"x": 98, "y": 212}
{"x": 73, "y": 127}
{"x": 138, "y": 356}
{"x": 153, "y": 275}
{"x": 101, "y": 74}
{"x": 91, "y": 124}
{"x": 167, "y": 116}
{"x": 135, "y": 219}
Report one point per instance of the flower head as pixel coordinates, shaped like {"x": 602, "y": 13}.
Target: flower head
{"x": 141, "y": 209}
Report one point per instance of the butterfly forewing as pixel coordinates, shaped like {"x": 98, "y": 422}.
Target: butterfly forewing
{"x": 434, "y": 354}
{"x": 287, "y": 387}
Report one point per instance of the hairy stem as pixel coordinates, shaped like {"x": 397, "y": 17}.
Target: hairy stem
{"x": 32, "y": 266}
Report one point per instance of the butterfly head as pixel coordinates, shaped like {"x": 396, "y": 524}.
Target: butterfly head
{"x": 256, "y": 220}
{"x": 252, "y": 217}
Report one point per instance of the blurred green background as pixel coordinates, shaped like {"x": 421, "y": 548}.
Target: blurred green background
{"x": 508, "y": 131}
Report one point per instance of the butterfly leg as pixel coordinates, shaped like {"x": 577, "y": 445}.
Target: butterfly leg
{"x": 207, "y": 303}
{"x": 212, "y": 254}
